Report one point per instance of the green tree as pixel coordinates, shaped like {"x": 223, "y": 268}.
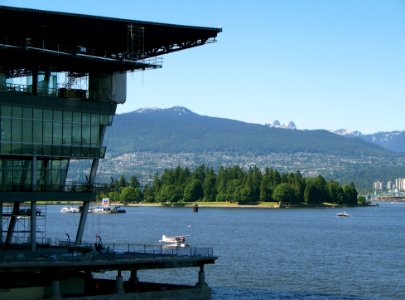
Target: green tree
{"x": 361, "y": 200}
{"x": 285, "y": 192}
{"x": 335, "y": 192}
{"x": 321, "y": 185}
{"x": 193, "y": 191}
{"x": 148, "y": 194}
{"x": 350, "y": 194}
{"x": 232, "y": 190}
{"x": 209, "y": 185}
{"x": 266, "y": 192}
{"x": 253, "y": 180}
{"x": 134, "y": 182}
{"x": 245, "y": 195}
{"x": 312, "y": 193}
{"x": 131, "y": 194}
{"x": 169, "y": 193}
{"x": 122, "y": 182}
{"x": 114, "y": 196}
{"x": 199, "y": 173}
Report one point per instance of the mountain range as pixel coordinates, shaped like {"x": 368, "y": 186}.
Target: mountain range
{"x": 178, "y": 129}
{"x": 146, "y": 141}
{"x": 391, "y": 140}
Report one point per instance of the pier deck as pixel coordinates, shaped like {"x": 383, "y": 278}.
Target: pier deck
{"x": 71, "y": 271}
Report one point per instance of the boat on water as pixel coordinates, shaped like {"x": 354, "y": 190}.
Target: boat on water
{"x": 174, "y": 241}
{"x": 107, "y": 210}
{"x": 70, "y": 209}
{"x": 343, "y": 214}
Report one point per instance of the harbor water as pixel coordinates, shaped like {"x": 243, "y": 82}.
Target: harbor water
{"x": 268, "y": 253}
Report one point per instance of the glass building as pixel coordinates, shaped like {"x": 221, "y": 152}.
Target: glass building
{"x": 61, "y": 78}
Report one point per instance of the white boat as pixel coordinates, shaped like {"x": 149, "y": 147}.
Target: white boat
{"x": 100, "y": 210}
{"x": 174, "y": 241}
{"x": 343, "y": 214}
{"x": 70, "y": 209}
{"x": 105, "y": 208}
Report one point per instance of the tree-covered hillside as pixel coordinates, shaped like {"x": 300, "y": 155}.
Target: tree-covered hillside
{"x": 180, "y": 130}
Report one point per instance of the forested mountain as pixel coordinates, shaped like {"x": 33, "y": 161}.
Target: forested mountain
{"x": 148, "y": 141}
{"x": 179, "y": 130}
{"x": 393, "y": 140}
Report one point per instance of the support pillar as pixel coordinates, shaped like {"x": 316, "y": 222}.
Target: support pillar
{"x": 133, "y": 280}
{"x": 201, "y": 277}
{"x": 33, "y": 217}
{"x": 2, "y": 78}
{"x": 1, "y": 225}
{"x": 55, "y": 293}
{"x": 13, "y": 220}
{"x": 119, "y": 284}
{"x": 82, "y": 222}
{"x": 35, "y": 80}
{"x": 90, "y": 184}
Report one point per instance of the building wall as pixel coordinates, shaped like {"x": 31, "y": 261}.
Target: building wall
{"x": 53, "y": 130}
{"x": 108, "y": 87}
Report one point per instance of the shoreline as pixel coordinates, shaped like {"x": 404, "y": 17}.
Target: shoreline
{"x": 262, "y": 205}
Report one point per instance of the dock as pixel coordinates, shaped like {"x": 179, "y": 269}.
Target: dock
{"x": 56, "y": 271}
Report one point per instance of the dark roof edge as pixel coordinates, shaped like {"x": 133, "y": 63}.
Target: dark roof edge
{"x": 108, "y": 18}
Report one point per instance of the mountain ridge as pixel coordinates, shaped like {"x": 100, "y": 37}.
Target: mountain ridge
{"x": 178, "y": 129}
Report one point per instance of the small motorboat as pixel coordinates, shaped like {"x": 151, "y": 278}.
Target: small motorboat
{"x": 118, "y": 210}
{"x": 174, "y": 241}
{"x": 107, "y": 210}
{"x": 343, "y": 214}
{"x": 70, "y": 209}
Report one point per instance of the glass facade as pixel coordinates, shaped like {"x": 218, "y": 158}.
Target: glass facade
{"x": 45, "y": 136}
{"x": 41, "y": 131}
{"x": 15, "y": 175}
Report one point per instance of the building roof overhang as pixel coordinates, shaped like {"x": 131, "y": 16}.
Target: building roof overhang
{"x": 77, "y": 42}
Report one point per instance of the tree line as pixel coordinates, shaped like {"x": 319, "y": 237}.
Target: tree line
{"x": 233, "y": 184}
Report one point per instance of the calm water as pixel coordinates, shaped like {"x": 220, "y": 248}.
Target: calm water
{"x": 269, "y": 253}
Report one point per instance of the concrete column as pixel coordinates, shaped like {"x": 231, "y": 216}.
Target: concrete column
{"x": 1, "y": 224}
{"x": 13, "y": 220}
{"x": 35, "y": 80}
{"x": 82, "y": 222}
{"x": 201, "y": 277}
{"x": 2, "y": 78}
{"x": 133, "y": 280}
{"x": 45, "y": 87}
{"x": 119, "y": 284}
{"x": 33, "y": 225}
{"x": 55, "y": 293}
{"x": 33, "y": 217}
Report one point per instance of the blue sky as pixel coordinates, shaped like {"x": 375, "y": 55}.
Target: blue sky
{"x": 322, "y": 64}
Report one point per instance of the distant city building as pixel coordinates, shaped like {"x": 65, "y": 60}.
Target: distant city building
{"x": 378, "y": 185}
{"x": 390, "y": 185}
{"x": 400, "y": 184}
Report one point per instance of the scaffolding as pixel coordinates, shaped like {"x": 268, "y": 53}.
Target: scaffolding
{"x": 22, "y": 227}
{"x": 136, "y": 39}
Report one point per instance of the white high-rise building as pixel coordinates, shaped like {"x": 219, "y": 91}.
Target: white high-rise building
{"x": 400, "y": 184}
{"x": 390, "y": 185}
{"x": 378, "y": 186}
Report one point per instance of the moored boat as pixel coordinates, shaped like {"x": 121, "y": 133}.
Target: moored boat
{"x": 343, "y": 214}
{"x": 70, "y": 209}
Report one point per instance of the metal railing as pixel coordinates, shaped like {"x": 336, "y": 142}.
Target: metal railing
{"x": 65, "y": 251}
{"x": 141, "y": 61}
{"x": 67, "y": 187}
